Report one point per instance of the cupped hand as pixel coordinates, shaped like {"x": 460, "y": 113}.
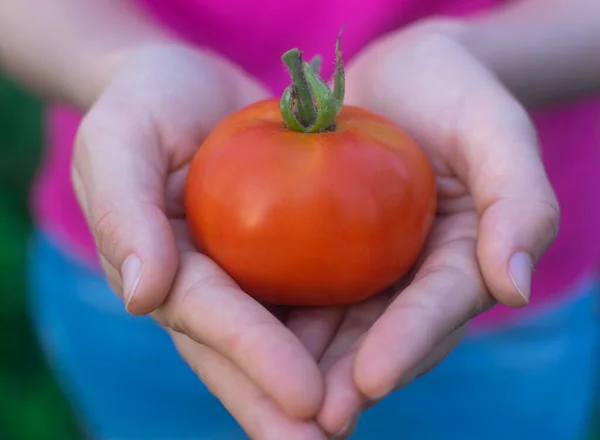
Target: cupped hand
{"x": 497, "y": 214}
{"x": 129, "y": 169}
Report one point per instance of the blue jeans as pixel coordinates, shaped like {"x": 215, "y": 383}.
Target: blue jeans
{"x": 533, "y": 381}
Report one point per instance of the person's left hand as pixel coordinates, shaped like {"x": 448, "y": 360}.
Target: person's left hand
{"x": 496, "y": 216}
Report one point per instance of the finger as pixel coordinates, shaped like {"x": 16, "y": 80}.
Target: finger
{"x": 315, "y": 327}
{"x": 343, "y": 402}
{"x": 437, "y": 355}
{"x": 119, "y": 176}
{"x": 446, "y": 294}
{"x": 511, "y": 192}
{"x": 257, "y": 414}
{"x": 208, "y": 306}
{"x": 175, "y": 190}
{"x": 356, "y": 322}
{"x": 466, "y": 117}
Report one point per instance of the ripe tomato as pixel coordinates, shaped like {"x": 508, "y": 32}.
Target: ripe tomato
{"x": 310, "y": 219}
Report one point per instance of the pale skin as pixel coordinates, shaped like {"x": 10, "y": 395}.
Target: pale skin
{"x": 310, "y": 376}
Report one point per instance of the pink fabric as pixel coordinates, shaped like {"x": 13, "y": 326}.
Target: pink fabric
{"x": 255, "y": 34}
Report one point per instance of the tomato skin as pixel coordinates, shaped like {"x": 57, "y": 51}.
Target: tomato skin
{"x": 310, "y": 219}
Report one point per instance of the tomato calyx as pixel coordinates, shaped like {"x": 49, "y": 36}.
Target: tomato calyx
{"x": 308, "y": 105}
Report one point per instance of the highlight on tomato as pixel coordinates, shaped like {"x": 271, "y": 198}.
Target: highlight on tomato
{"x": 306, "y": 201}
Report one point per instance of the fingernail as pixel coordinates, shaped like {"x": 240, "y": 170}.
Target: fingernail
{"x": 131, "y": 272}
{"x": 348, "y": 428}
{"x": 519, "y": 270}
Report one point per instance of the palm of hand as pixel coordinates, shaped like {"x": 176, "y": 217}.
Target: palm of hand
{"x": 330, "y": 362}
{"x": 460, "y": 114}
{"x": 425, "y": 321}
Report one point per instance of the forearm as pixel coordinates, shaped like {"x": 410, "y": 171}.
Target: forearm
{"x": 544, "y": 51}
{"x": 69, "y": 49}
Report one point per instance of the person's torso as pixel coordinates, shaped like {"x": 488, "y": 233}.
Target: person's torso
{"x": 254, "y": 34}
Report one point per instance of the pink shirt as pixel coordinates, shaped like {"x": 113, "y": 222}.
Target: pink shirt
{"x": 255, "y": 34}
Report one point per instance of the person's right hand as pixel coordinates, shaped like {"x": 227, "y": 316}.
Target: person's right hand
{"x": 130, "y": 163}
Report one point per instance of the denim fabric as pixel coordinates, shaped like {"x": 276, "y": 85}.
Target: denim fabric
{"x": 535, "y": 380}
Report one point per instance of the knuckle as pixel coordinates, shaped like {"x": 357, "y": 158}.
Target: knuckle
{"x": 186, "y": 306}
{"x": 190, "y": 307}
{"x": 549, "y": 225}
{"x": 482, "y": 303}
{"x": 83, "y": 134}
{"x": 79, "y": 189}
{"x": 104, "y": 224}
{"x": 553, "y": 215}
{"x": 475, "y": 300}
{"x": 243, "y": 338}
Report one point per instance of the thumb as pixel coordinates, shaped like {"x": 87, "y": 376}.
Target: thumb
{"x": 119, "y": 175}
{"x": 519, "y": 213}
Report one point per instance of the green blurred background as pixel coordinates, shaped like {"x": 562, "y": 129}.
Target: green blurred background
{"x": 32, "y": 406}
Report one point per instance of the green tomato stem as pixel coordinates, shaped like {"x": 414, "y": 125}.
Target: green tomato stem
{"x": 308, "y": 105}
{"x": 304, "y": 103}
{"x": 339, "y": 79}
{"x": 315, "y": 64}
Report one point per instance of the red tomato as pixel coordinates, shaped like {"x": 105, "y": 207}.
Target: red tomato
{"x": 310, "y": 218}
{"x": 308, "y": 202}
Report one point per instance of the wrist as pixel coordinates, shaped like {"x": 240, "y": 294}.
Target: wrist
{"x": 544, "y": 54}
{"x": 76, "y": 46}
{"x": 474, "y": 36}
{"x": 225, "y": 78}
{"x": 84, "y": 84}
